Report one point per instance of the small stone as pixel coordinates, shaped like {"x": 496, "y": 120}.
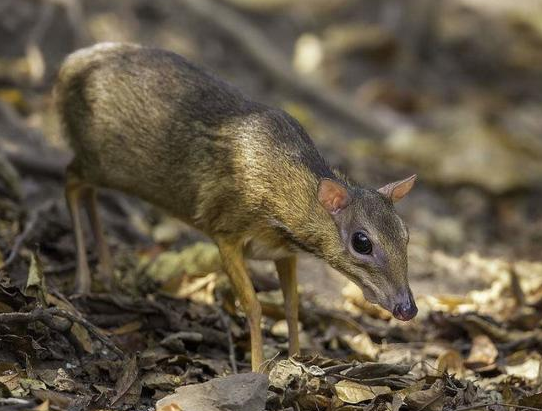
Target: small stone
{"x": 239, "y": 392}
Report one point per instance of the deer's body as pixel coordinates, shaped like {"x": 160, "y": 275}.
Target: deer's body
{"x": 149, "y": 123}
{"x": 181, "y": 139}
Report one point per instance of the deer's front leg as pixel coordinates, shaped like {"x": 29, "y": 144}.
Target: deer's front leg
{"x": 286, "y": 269}
{"x": 234, "y": 266}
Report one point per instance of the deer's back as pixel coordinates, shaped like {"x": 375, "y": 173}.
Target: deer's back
{"x": 148, "y": 122}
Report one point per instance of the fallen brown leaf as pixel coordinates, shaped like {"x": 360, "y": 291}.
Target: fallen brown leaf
{"x": 431, "y": 399}
{"x": 128, "y": 388}
{"x": 353, "y": 393}
{"x": 483, "y": 353}
{"x": 534, "y": 400}
{"x": 451, "y": 362}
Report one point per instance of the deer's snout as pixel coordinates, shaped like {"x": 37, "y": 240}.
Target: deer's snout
{"x": 405, "y": 309}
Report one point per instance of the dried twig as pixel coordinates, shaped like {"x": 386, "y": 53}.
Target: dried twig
{"x": 231, "y": 348}
{"x": 374, "y": 123}
{"x": 402, "y": 381}
{"x": 30, "y": 224}
{"x": 266, "y": 366}
{"x": 47, "y": 316}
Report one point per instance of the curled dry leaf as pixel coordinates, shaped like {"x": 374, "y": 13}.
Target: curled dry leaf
{"x": 399, "y": 396}
{"x": 351, "y": 392}
{"x": 283, "y": 373}
{"x": 314, "y": 401}
{"x": 363, "y": 345}
{"x": 128, "y": 388}
{"x": 199, "y": 289}
{"x": 450, "y": 362}
{"x": 431, "y": 399}
{"x": 63, "y": 381}
{"x": 417, "y": 386}
{"x": 10, "y": 374}
{"x": 81, "y": 333}
{"x": 35, "y": 284}
{"x": 482, "y": 354}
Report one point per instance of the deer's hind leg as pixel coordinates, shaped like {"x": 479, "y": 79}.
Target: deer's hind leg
{"x": 74, "y": 191}
{"x": 80, "y": 193}
{"x": 105, "y": 267}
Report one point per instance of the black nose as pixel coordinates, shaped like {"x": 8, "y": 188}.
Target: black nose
{"x": 406, "y": 310}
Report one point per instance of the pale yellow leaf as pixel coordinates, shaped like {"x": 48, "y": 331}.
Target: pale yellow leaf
{"x": 352, "y": 393}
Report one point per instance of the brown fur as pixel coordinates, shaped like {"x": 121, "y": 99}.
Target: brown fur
{"x": 151, "y": 124}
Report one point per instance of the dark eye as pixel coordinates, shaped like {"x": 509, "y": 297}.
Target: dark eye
{"x": 361, "y": 243}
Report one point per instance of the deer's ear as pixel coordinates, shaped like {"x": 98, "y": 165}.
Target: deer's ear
{"x": 333, "y": 196}
{"x": 398, "y": 189}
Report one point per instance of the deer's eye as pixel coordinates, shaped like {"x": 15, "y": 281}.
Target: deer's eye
{"x": 361, "y": 243}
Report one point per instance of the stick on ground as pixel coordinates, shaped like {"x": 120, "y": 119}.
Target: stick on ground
{"x": 231, "y": 348}
{"x": 47, "y": 316}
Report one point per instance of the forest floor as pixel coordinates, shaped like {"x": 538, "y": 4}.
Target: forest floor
{"x": 442, "y": 99}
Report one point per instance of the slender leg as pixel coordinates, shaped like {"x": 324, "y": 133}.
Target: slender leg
{"x": 234, "y": 265}
{"x": 286, "y": 269}
{"x": 74, "y": 189}
{"x": 104, "y": 256}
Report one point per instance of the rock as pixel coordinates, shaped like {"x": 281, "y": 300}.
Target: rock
{"x": 239, "y": 392}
